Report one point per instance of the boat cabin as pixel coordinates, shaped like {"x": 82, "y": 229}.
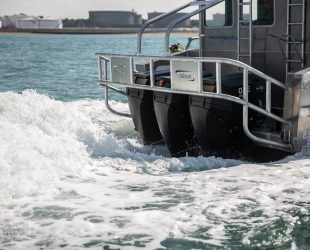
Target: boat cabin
{"x": 244, "y": 93}
{"x": 274, "y": 42}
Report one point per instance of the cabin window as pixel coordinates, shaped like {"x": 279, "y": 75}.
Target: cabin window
{"x": 262, "y": 12}
{"x": 219, "y": 14}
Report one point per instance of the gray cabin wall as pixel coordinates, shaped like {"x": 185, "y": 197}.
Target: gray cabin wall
{"x": 267, "y": 53}
{"x": 220, "y": 42}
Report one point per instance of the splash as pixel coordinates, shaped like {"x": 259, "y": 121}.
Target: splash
{"x": 42, "y": 142}
{"x": 73, "y": 175}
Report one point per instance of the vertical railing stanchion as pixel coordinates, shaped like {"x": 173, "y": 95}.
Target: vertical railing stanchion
{"x": 106, "y": 70}
{"x": 152, "y": 73}
{"x": 246, "y": 99}
{"x": 131, "y": 70}
{"x": 106, "y": 96}
{"x": 105, "y": 78}
{"x": 99, "y": 69}
{"x": 268, "y": 95}
{"x": 245, "y": 84}
{"x": 218, "y": 78}
{"x": 200, "y": 80}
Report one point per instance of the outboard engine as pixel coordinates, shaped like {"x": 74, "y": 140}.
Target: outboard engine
{"x": 218, "y": 123}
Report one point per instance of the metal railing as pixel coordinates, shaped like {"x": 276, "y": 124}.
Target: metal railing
{"x": 105, "y": 80}
{"x": 189, "y": 41}
{"x": 203, "y": 5}
{"x": 179, "y": 20}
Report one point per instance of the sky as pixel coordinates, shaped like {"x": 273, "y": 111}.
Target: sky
{"x": 79, "y": 8}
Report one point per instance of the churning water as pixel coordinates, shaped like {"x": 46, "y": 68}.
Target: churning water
{"x": 74, "y": 176}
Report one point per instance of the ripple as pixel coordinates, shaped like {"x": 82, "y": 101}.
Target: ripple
{"x": 48, "y": 212}
{"x": 136, "y": 240}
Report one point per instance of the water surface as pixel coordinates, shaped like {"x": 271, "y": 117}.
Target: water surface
{"x": 74, "y": 176}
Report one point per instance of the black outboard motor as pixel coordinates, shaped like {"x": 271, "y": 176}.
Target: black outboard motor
{"x": 218, "y": 123}
{"x": 142, "y": 109}
{"x": 174, "y": 120}
{"x": 143, "y": 115}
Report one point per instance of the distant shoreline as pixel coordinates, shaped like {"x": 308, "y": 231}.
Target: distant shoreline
{"x": 92, "y": 31}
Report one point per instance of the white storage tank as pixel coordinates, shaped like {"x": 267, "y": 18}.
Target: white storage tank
{"x": 39, "y": 23}
{"x": 27, "y": 23}
{"x": 50, "y": 24}
{"x": 115, "y": 19}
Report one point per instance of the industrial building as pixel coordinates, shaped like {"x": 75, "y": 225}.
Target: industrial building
{"x": 11, "y": 21}
{"x": 23, "y": 21}
{"x": 163, "y": 23}
{"x": 33, "y": 23}
{"x": 115, "y": 19}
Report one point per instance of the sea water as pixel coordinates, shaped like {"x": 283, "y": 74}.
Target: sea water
{"x": 74, "y": 176}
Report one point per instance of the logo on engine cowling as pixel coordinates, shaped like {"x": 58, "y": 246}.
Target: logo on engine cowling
{"x": 185, "y": 75}
{"x": 120, "y": 69}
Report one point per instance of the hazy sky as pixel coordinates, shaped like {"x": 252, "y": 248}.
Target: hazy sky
{"x": 80, "y": 8}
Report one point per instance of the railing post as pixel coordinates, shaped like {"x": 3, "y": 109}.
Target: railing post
{"x": 99, "y": 69}
{"x": 268, "y": 95}
{"x": 200, "y": 80}
{"x": 131, "y": 70}
{"x": 246, "y": 84}
{"x": 106, "y": 70}
{"x": 105, "y": 76}
{"x": 218, "y": 78}
{"x": 245, "y": 107}
{"x": 152, "y": 73}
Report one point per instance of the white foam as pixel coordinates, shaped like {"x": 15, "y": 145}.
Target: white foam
{"x": 70, "y": 175}
{"x": 42, "y": 141}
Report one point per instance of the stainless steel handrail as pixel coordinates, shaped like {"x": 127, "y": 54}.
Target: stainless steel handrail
{"x": 155, "y": 19}
{"x": 218, "y": 63}
{"x": 204, "y": 94}
{"x": 148, "y": 23}
{"x": 106, "y": 56}
{"x": 107, "y": 104}
{"x": 107, "y": 87}
{"x": 189, "y": 41}
{"x": 202, "y": 8}
{"x": 245, "y": 119}
{"x": 179, "y": 20}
